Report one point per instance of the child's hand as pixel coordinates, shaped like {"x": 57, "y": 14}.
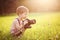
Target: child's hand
{"x": 25, "y": 22}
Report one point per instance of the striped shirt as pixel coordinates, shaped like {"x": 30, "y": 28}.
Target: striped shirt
{"x": 17, "y": 27}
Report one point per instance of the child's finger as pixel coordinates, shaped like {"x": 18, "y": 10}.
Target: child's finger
{"x": 25, "y": 22}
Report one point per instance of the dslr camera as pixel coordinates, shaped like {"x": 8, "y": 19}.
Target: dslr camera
{"x": 30, "y": 22}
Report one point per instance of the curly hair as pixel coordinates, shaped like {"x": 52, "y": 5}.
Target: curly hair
{"x": 22, "y": 9}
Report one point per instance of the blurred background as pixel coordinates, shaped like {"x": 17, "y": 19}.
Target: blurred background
{"x": 45, "y": 12}
{"x": 9, "y": 6}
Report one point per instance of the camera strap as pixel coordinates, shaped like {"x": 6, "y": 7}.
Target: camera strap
{"x": 18, "y": 21}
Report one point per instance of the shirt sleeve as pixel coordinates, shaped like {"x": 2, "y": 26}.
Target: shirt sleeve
{"x": 17, "y": 25}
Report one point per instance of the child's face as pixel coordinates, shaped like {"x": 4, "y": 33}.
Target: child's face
{"x": 23, "y": 15}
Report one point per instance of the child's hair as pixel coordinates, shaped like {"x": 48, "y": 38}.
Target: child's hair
{"x": 21, "y": 9}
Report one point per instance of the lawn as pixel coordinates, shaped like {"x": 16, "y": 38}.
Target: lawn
{"x": 47, "y": 27}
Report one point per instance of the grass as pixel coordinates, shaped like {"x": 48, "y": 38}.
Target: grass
{"x": 47, "y": 27}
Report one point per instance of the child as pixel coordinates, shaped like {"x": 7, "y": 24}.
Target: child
{"x": 17, "y": 28}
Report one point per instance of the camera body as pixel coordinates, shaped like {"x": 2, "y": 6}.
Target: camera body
{"x": 28, "y": 25}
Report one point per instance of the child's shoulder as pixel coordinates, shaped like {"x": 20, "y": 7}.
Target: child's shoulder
{"x": 15, "y": 20}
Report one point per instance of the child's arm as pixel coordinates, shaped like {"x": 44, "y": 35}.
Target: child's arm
{"x": 20, "y": 28}
{"x": 16, "y": 28}
{"x": 21, "y": 25}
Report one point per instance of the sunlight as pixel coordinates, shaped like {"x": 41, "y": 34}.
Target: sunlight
{"x": 42, "y": 5}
